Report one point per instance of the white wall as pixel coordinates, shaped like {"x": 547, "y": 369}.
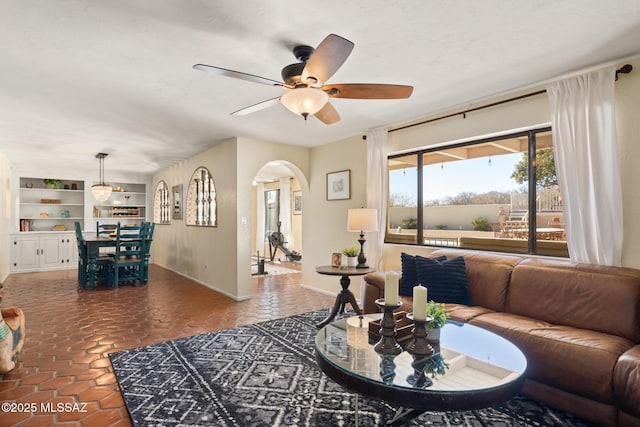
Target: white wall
{"x": 627, "y": 113}
{"x": 5, "y": 216}
{"x": 325, "y": 222}
{"x": 205, "y": 254}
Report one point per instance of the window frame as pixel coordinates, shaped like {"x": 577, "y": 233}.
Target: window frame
{"x": 532, "y": 189}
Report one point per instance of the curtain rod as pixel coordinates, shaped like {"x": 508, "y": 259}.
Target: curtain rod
{"x": 625, "y": 69}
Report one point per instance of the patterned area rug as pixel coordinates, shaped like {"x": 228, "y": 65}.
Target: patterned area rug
{"x": 271, "y": 269}
{"x": 265, "y": 374}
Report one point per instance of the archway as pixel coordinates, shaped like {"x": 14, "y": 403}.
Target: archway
{"x": 277, "y": 216}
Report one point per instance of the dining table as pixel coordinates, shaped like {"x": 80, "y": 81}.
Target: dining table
{"x": 94, "y": 242}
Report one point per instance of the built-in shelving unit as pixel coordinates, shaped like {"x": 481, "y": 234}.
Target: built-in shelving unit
{"x": 127, "y": 203}
{"x": 50, "y": 207}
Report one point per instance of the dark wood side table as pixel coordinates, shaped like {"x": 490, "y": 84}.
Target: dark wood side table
{"x": 345, "y": 296}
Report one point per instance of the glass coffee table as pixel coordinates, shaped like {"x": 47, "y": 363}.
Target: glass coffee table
{"x": 471, "y": 368}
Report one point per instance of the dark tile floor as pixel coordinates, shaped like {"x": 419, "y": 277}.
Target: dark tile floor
{"x": 70, "y": 333}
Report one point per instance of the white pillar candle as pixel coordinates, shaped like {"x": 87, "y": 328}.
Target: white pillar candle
{"x": 420, "y": 302}
{"x": 391, "y": 288}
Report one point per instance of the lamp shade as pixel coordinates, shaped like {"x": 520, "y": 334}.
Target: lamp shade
{"x": 304, "y": 101}
{"x": 101, "y": 192}
{"x": 362, "y": 220}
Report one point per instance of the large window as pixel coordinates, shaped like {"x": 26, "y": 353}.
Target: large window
{"x": 497, "y": 194}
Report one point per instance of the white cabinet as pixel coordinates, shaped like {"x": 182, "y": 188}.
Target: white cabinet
{"x": 126, "y": 204}
{"x": 43, "y": 251}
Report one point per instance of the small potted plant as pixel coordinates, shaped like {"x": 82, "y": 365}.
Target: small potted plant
{"x": 51, "y": 183}
{"x": 352, "y": 255}
{"x": 436, "y": 310}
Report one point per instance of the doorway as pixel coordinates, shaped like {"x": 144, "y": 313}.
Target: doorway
{"x": 277, "y": 220}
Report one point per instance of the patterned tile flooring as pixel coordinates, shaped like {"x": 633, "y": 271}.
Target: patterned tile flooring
{"x": 64, "y": 363}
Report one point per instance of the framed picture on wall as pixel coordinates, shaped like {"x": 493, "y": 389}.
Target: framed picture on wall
{"x": 177, "y": 201}
{"x": 297, "y": 202}
{"x": 339, "y": 185}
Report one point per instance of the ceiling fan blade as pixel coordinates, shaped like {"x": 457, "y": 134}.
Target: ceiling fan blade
{"x": 368, "y": 91}
{"x": 326, "y": 59}
{"x": 237, "y": 75}
{"x": 256, "y": 107}
{"x": 327, "y": 114}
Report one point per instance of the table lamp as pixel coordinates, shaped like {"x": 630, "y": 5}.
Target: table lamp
{"x": 362, "y": 220}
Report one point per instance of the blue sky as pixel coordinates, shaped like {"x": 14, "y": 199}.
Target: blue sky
{"x": 452, "y": 178}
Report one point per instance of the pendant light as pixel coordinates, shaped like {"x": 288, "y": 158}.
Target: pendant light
{"x": 101, "y": 191}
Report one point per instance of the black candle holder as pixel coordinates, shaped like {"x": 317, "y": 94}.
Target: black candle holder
{"x": 387, "y": 368}
{"x": 387, "y": 344}
{"x": 419, "y": 378}
{"x": 419, "y": 344}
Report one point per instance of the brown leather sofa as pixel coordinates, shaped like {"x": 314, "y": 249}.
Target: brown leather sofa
{"x": 578, "y": 325}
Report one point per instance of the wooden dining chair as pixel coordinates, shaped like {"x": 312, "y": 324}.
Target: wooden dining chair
{"x": 105, "y": 230}
{"x": 128, "y": 259}
{"x": 147, "y": 232}
{"x": 104, "y": 263}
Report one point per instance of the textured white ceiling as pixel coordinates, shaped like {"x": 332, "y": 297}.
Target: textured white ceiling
{"x": 82, "y": 76}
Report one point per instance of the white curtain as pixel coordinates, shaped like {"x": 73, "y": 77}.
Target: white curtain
{"x": 377, "y": 192}
{"x": 260, "y": 218}
{"x": 587, "y": 165}
{"x": 285, "y": 209}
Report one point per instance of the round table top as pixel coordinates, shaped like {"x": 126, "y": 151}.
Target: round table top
{"x": 343, "y": 271}
{"x": 471, "y": 368}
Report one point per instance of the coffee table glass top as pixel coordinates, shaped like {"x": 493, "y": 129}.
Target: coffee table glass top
{"x": 470, "y": 368}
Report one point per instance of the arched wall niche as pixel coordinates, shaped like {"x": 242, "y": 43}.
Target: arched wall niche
{"x": 201, "y": 204}
{"x": 162, "y": 204}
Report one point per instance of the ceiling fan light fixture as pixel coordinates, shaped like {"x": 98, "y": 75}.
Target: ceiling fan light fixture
{"x": 304, "y": 101}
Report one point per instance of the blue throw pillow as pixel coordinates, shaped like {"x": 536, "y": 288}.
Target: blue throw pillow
{"x": 445, "y": 280}
{"x": 409, "y": 273}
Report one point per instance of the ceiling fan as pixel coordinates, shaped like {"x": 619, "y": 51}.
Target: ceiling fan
{"x": 307, "y": 92}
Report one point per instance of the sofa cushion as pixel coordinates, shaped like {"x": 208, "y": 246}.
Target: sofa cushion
{"x": 445, "y": 280}
{"x": 488, "y": 275}
{"x": 579, "y": 361}
{"x": 599, "y": 298}
{"x": 464, "y": 313}
{"x": 409, "y": 273}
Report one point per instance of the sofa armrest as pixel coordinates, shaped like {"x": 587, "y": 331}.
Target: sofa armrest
{"x": 626, "y": 382}
{"x": 374, "y": 289}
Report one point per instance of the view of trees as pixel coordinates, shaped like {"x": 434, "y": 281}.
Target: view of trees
{"x": 545, "y": 169}
{"x": 464, "y": 198}
{"x": 545, "y": 177}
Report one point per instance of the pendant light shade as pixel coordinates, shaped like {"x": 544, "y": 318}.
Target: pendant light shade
{"x": 101, "y": 191}
{"x": 304, "y": 101}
